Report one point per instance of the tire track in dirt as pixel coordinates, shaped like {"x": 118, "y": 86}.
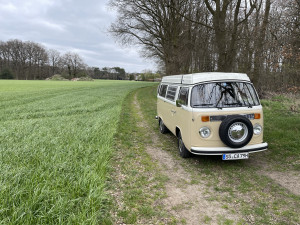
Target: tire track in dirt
{"x": 185, "y": 201}
{"x": 290, "y": 179}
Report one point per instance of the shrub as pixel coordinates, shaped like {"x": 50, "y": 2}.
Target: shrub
{"x": 82, "y": 74}
{"x": 87, "y": 78}
{"x": 66, "y": 75}
{"x": 131, "y": 77}
{"x": 6, "y": 74}
{"x": 57, "y": 77}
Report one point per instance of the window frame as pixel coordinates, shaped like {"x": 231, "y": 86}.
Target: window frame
{"x": 188, "y": 95}
{"x": 160, "y": 89}
{"x": 236, "y": 81}
{"x": 175, "y": 92}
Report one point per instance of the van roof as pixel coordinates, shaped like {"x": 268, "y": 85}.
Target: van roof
{"x": 195, "y": 78}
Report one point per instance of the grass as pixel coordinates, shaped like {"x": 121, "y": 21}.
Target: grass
{"x": 137, "y": 185}
{"x": 56, "y": 142}
{"x": 74, "y": 153}
{"x": 239, "y": 184}
{"x": 282, "y": 132}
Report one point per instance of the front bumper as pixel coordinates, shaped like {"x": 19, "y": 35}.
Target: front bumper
{"x": 225, "y": 150}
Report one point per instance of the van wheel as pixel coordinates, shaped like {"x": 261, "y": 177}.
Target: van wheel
{"x": 162, "y": 128}
{"x": 183, "y": 152}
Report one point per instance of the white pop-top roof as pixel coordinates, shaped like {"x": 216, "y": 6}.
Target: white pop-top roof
{"x": 204, "y": 77}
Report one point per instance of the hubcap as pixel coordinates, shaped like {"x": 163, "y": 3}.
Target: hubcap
{"x": 237, "y": 132}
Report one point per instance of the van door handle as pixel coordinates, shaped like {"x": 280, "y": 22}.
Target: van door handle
{"x": 173, "y": 111}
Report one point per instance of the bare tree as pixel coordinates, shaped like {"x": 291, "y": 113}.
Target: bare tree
{"x": 73, "y": 63}
{"x": 227, "y": 18}
{"x": 171, "y": 30}
{"x": 30, "y": 50}
{"x": 5, "y": 55}
{"x": 54, "y": 60}
{"x": 40, "y": 60}
{"x": 157, "y": 26}
{"x": 17, "y": 55}
{"x": 291, "y": 46}
{"x": 259, "y": 42}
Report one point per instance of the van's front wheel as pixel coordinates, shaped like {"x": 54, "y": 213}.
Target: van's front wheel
{"x": 183, "y": 152}
{"x": 162, "y": 128}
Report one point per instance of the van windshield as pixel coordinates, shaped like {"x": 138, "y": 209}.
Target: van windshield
{"x": 224, "y": 95}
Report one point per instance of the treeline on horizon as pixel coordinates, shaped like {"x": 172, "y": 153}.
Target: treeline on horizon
{"x": 257, "y": 37}
{"x": 27, "y": 60}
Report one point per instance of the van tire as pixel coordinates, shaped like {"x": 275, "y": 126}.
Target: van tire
{"x": 225, "y": 126}
{"x": 162, "y": 127}
{"x": 183, "y": 151}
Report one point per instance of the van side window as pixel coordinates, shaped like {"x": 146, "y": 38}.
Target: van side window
{"x": 183, "y": 95}
{"x": 171, "y": 93}
{"x": 162, "y": 90}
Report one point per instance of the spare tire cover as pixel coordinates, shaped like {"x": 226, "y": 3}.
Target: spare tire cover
{"x": 236, "y": 131}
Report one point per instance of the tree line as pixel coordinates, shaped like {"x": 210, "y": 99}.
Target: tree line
{"x": 30, "y": 61}
{"x": 257, "y": 37}
{"x": 114, "y": 73}
{"x": 27, "y": 60}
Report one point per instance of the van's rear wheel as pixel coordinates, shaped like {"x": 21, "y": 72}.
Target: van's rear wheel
{"x": 183, "y": 152}
{"x": 162, "y": 128}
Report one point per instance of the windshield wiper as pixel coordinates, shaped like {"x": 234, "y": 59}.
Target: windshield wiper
{"x": 249, "y": 105}
{"x": 202, "y": 105}
{"x": 237, "y": 103}
{"x": 218, "y": 107}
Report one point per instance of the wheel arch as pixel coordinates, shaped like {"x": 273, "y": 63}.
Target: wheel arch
{"x": 177, "y": 131}
{"x": 160, "y": 118}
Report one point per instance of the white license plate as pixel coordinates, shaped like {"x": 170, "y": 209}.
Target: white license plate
{"x": 234, "y": 156}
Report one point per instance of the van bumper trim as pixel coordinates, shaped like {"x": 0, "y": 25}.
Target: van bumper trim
{"x": 225, "y": 150}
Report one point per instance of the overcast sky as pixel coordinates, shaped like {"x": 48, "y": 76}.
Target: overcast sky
{"x": 70, "y": 25}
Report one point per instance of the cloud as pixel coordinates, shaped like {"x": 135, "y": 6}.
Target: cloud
{"x": 47, "y": 25}
{"x": 70, "y": 25}
{"x": 8, "y": 7}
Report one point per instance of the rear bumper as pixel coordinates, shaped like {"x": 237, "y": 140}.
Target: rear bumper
{"x": 224, "y": 150}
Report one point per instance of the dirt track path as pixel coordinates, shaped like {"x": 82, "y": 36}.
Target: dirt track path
{"x": 288, "y": 179}
{"x": 186, "y": 201}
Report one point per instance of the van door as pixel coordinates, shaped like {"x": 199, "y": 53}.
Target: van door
{"x": 161, "y": 102}
{"x": 183, "y": 116}
{"x": 171, "y": 108}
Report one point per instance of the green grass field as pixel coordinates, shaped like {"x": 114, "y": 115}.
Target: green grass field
{"x": 282, "y": 131}
{"x": 63, "y": 145}
{"x": 56, "y": 139}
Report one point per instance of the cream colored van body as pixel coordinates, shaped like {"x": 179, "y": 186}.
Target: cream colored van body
{"x": 184, "y": 118}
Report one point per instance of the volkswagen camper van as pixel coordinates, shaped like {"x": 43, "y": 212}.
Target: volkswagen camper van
{"x": 211, "y": 114}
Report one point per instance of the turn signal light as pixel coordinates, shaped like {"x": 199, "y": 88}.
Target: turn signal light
{"x": 205, "y": 118}
{"x": 256, "y": 115}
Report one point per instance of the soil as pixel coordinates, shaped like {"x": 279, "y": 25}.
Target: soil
{"x": 185, "y": 201}
{"x": 287, "y": 179}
